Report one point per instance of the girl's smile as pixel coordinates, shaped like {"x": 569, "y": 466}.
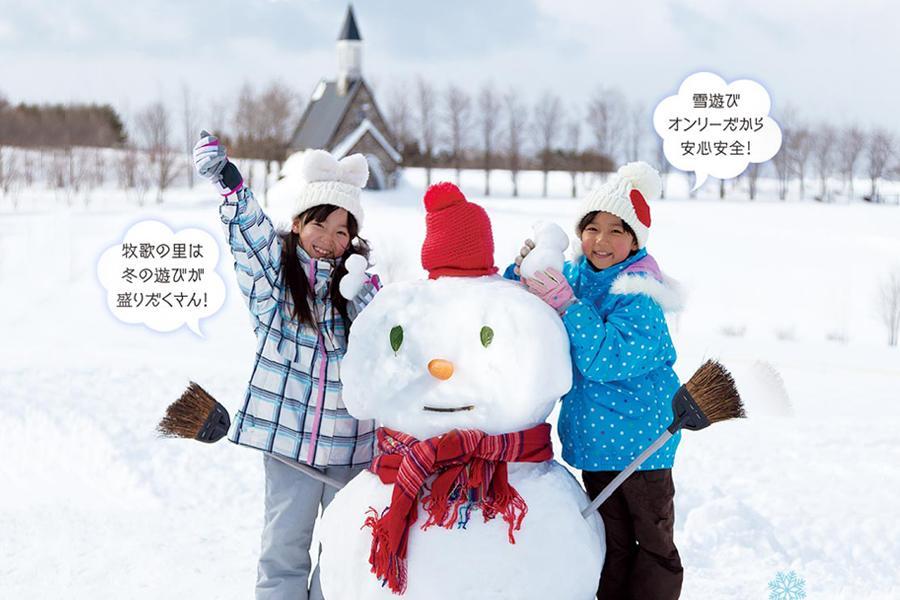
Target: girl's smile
{"x": 605, "y": 241}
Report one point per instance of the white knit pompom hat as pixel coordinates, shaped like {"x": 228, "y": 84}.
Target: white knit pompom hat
{"x": 626, "y": 195}
{"x": 331, "y": 181}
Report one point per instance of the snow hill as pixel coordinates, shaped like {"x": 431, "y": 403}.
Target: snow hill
{"x": 94, "y": 506}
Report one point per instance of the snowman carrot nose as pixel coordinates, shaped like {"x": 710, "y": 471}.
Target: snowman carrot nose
{"x": 440, "y": 368}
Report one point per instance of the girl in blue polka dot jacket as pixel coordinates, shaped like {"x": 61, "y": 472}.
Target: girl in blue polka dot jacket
{"x": 612, "y": 302}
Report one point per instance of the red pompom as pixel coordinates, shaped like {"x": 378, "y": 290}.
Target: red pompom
{"x": 442, "y": 195}
{"x": 641, "y": 208}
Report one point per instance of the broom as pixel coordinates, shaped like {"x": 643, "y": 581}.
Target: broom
{"x": 708, "y": 397}
{"x": 198, "y": 416}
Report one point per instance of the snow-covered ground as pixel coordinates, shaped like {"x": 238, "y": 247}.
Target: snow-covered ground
{"x": 94, "y": 506}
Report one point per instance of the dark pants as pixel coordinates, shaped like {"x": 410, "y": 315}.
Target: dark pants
{"x": 642, "y": 562}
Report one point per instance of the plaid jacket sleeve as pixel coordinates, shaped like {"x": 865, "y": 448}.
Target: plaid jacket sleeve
{"x": 256, "y": 248}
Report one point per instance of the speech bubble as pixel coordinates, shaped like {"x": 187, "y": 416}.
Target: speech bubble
{"x": 161, "y": 278}
{"x": 717, "y": 129}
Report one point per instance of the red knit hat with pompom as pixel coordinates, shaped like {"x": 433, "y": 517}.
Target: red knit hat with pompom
{"x": 458, "y": 237}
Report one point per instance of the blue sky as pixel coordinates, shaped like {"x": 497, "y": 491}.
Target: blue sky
{"x": 831, "y": 60}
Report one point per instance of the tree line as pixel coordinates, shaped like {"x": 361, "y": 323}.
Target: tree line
{"x": 432, "y": 127}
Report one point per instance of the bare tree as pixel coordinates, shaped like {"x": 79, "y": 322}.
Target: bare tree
{"x": 264, "y": 123}
{"x": 823, "y": 155}
{"x": 889, "y": 305}
{"x": 606, "y": 119}
{"x": 849, "y": 149}
{"x": 279, "y": 108}
{"x": 783, "y": 161}
{"x": 752, "y": 175}
{"x": 783, "y": 164}
{"x": 489, "y": 119}
{"x": 427, "y": 126}
{"x": 573, "y": 152}
{"x": 516, "y": 119}
{"x": 547, "y": 117}
{"x": 12, "y": 174}
{"x": 127, "y": 167}
{"x": 218, "y": 114}
{"x": 247, "y": 123}
{"x": 93, "y": 167}
{"x": 879, "y": 151}
{"x": 636, "y": 131}
{"x": 399, "y": 115}
{"x": 458, "y": 110}
{"x": 66, "y": 173}
{"x": 189, "y": 124}
{"x": 662, "y": 163}
{"x": 9, "y": 172}
{"x": 803, "y": 144}
{"x": 154, "y": 131}
{"x": 28, "y": 169}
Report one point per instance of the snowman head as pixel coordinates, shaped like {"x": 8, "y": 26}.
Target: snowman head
{"x": 463, "y": 350}
{"x": 426, "y": 357}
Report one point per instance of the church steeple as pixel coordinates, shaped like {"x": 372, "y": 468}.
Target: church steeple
{"x": 350, "y": 31}
{"x": 349, "y": 50}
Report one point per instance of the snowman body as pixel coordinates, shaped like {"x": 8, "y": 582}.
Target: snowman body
{"x": 504, "y": 363}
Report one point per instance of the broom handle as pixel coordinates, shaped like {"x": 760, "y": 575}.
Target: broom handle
{"x": 621, "y": 477}
{"x": 307, "y": 470}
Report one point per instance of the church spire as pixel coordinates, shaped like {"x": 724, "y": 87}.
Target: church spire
{"x": 350, "y": 31}
{"x": 349, "y": 51}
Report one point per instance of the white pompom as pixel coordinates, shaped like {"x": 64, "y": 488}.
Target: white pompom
{"x": 643, "y": 178}
{"x": 319, "y": 165}
{"x": 356, "y": 263}
{"x": 354, "y": 169}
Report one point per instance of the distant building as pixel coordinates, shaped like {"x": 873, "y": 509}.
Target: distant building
{"x": 342, "y": 116}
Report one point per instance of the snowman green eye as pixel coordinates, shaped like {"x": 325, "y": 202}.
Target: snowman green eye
{"x": 487, "y": 336}
{"x": 396, "y": 337}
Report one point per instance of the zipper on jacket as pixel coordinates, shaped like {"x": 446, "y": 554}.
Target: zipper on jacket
{"x": 323, "y": 365}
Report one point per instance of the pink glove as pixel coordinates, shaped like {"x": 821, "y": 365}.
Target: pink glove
{"x": 551, "y": 287}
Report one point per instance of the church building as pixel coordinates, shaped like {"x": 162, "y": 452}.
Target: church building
{"x": 343, "y": 118}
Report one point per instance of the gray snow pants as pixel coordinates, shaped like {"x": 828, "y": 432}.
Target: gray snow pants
{"x": 292, "y": 506}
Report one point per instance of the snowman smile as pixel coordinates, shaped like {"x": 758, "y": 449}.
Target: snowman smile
{"x": 448, "y": 410}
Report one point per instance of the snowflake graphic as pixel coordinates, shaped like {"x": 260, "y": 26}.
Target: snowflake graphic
{"x": 787, "y": 586}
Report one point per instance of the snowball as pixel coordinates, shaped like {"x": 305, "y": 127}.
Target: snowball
{"x": 356, "y": 263}
{"x": 550, "y": 244}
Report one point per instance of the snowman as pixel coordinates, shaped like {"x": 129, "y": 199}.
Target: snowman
{"x": 464, "y": 499}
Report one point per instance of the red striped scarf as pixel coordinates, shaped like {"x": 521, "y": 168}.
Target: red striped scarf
{"x": 463, "y": 460}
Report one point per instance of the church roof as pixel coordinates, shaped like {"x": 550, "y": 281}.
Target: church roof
{"x": 350, "y": 31}
{"x": 323, "y": 115}
{"x": 343, "y": 147}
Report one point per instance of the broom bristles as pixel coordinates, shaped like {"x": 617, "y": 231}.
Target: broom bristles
{"x": 713, "y": 389}
{"x": 186, "y": 416}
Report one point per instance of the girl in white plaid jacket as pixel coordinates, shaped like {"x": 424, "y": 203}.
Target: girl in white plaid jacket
{"x": 293, "y": 407}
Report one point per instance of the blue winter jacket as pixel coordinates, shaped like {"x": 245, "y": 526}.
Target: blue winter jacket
{"x": 622, "y": 357}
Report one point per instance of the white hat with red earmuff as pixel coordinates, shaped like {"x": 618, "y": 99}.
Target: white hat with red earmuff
{"x": 626, "y": 195}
